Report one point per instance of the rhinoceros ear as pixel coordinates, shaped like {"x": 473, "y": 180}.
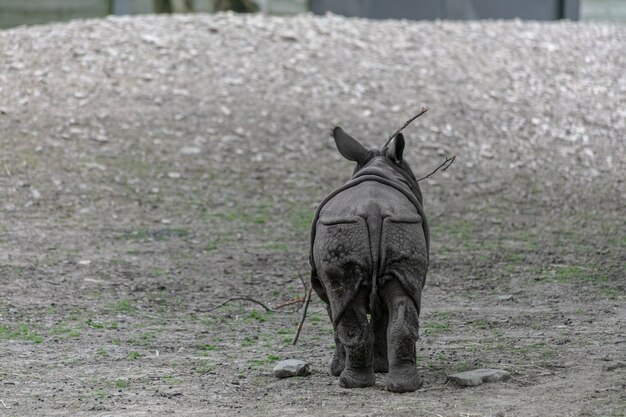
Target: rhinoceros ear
{"x": 348, "y": 146}
{"x": 396, "y": 148}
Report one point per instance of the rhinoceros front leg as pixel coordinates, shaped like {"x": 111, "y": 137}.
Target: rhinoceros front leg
{"x": 339, "y": 357}
{"x": 402, "y": 334}
{"x": 354, "y": 333}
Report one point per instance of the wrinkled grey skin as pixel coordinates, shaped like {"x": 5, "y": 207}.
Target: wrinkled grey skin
{"x": 369, "y": 255}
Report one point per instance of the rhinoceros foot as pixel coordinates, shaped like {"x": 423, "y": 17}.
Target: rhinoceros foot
{"x": 338, "y": 363}
{"x": 404, "y": 379}
{"x": 351, "y": 378}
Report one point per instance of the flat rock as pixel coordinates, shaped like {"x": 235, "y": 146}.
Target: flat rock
{"x": 478, "y": 376}
{"x": 291, "y": 367}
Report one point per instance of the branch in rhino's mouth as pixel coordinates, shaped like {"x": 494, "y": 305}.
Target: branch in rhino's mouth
{"x": 445, "y": 165}
{"x": 408, "y": 122}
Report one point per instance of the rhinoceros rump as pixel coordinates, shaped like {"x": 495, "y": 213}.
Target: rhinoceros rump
{"x": 369, "y": 254}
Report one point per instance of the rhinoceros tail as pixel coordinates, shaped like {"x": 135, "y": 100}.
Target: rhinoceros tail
{"x": 374, "y": 222}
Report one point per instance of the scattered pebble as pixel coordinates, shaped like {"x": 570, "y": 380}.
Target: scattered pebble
{"x": 291, "y": 367}
{"x": 189, "y": 150}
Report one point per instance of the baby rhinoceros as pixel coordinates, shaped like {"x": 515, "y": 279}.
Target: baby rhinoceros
{"x": 369, "y": 255}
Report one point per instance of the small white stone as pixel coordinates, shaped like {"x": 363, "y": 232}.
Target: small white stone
{"x": 189, "y": 150}
{"x": 478, "y": 376}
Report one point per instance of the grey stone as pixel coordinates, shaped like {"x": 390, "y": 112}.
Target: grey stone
{"x": 291, "y": 367}
{"x": 478, "y": 376}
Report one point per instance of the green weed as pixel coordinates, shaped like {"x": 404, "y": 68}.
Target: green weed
{"x": 134, "y": 355}
{"x": 22, "y": 332}
{"x": 434, "y": 328}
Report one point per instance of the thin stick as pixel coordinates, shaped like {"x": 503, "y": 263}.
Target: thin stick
{"x": 235, "y": 299}
{"x": 408, "y": 122}
{"x": 3, "y": 404}
{"x": 306, "y": 305}
{"x": 292, "y": 302}
{"x": 302, "y": 281}
{"x": 445, "y": 165}
{"x": 304, "y": 287}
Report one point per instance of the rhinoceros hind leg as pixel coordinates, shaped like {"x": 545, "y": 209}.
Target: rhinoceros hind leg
{"x": 339, "y": 357}
{"x": 402, "y": 334}
{"x": 380, "y": 322}
{"x": 357, "y": 339}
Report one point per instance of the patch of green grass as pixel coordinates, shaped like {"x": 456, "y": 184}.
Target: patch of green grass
{"x": 158, "y": 235}
{"x": 204, "y": 367}
{"x": 63, "y": 330}
{"x": 116, "y": 342}
{"x": 124, "y": 306}
{"x": 569, "y": 273}
{"x": 258, "y": 316}
{"x": 276, "y": 246}
{"x": 94, "y": 324}
{"x": 258, "y": 214}
{"x": 418, "y": 360}
{"x": 481, "y": 323}
{"x": 301, "y": 220}
{"x": 145, "y": 339}
{"x": 248, "y": 341}
{"x": 102, "y": 352}
{"x": 21, "y": 332}
{"x": 170, "y": 379}
{"x": 208, "y": 348}
{"x": 134, "y": 355}
{"x": 121, "y": 383}
{"x": 435, "y": 328}
{"x": 515, "y": 258}
{"x": 462, "y": 366}
{"x": 269, "y": 359}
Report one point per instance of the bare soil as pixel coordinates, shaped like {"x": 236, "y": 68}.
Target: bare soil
{"x": 153, "y": 167}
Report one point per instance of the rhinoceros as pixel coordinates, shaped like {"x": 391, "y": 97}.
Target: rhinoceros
{"x": 369, "y": 255}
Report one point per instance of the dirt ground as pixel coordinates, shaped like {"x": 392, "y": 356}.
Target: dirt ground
{"x": 153, "y": 167}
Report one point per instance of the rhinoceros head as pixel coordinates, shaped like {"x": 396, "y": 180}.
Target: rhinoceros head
{"x": 387, "y": 158}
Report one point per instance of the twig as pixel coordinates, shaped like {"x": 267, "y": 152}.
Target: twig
{"x": 3, "y": 404}
{"x": 235, "y": 299}
{"x": 445, "y": 165}
{"x": 292, "y": 302}
{"x": 305, "y": 289}
{"x": 307, "y": 300}
{"x": 408, "y": 122}
{"x": 302, "y": 281}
